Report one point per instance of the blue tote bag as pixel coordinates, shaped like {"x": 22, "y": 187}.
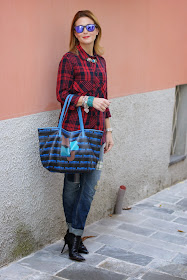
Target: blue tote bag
{"x": 69, "y": 151}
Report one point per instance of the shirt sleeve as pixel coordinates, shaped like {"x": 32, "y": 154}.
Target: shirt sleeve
{"x": 107, "y": 111}
{"x": 65, "y": 80}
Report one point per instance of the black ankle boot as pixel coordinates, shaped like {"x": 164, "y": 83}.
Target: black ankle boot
{"x": 68, "y": 239}
{"x": 82, "y": 248}
{"x": 73, "y": 249}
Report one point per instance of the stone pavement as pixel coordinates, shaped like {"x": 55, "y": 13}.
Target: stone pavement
{"x": 147, "y": 242}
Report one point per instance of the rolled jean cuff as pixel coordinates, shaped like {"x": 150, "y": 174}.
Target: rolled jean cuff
{"x": 78, "y": 232}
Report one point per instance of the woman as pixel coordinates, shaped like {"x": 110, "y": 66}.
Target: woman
{"x": 82, "y": 72}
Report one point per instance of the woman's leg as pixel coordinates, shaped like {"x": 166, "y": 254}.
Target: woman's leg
{"x": 70, "y": 192}
{"x": 84, "y": 197}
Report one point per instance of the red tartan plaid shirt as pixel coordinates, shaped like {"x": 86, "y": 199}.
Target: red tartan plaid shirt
{"x": 80, "y": 77}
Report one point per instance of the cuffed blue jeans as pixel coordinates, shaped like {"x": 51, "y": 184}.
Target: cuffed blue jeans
{"x": 77, "y": 197}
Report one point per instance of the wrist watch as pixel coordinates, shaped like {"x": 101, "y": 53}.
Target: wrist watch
{"x": 109, "y": 129}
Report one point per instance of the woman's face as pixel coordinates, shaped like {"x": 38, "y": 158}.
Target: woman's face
{"x": 86, "y": 37}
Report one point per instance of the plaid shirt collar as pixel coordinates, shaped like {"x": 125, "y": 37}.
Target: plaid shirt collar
{"x": 84, "y": 55}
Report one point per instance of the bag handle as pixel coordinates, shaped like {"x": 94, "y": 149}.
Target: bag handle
{"x": 64, "y": 109}
{"x": 81, "y": 121}
{"x": 63, "y": 114}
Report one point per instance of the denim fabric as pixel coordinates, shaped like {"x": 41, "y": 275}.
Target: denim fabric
{"x": 78, "y": 196}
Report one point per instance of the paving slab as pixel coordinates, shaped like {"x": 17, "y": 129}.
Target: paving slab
{"x": 119, "y": 266}
{"x": 182, "y": 214}
{"x": 180, "y": 220}
{"x": 158, "y": 214}
{"x": 124, "y": 255}
{"x": 128, "y": 217}
{"x": 138, "y": 274}
{"x": 169, "y": 227}
{"x": 177, "y": 270}
{"x": 15, "y": 271}
{"x": 150, "y": 200}
{"x": 94, "y": 259}
{"x": 56, "y": 247}
{"x": 46, "y": 262}
{"x": 159, "y": 207}
{"x": 115, "y": 241}
{"x": 99, "y": 229}
{"x": 92, "y": 245}
{"x": 86, "y": 272}
{"x": 179, "y": 187}
{"x": 137, "y": 229}
{"x": 156, "y": 276}
{"x": 163, "y": 196}
{"x": 173, "y": 269}
{"x": 43, "y": 276}
{"x": 145, "y": 205}
{"x": 181, "y": 259}
{"x": 152, "y": 251}
{"x": 183, "y": 193}
{"x": 170, "y": 207}
{"x": 183, "y": 203}
{"x": 180, "y": 240}
{"x": 109, "y": 222}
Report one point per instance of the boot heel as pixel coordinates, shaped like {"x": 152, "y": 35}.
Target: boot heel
{"x": 63, "y": 247}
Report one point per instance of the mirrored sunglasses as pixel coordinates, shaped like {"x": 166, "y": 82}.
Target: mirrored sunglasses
{"x": 89, "y": 28}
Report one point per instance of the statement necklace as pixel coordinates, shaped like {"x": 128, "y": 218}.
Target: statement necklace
{"x": 91, "y": 60}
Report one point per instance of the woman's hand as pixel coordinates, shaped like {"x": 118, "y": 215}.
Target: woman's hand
{"x": 101, "y": 104}
{"x": 109, "y": 142}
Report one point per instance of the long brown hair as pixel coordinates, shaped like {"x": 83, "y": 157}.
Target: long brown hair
{"x": 74, "y": 41}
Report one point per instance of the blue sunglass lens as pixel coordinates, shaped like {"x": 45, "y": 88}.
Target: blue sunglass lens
{"x": 79, "y": 28}
{"x": 89, "y": 27}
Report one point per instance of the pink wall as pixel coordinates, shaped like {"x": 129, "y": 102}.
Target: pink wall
{"x": 145, "y": 47}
